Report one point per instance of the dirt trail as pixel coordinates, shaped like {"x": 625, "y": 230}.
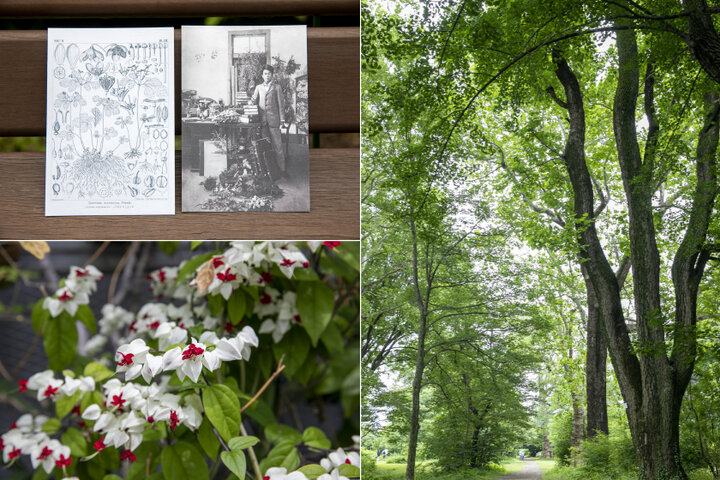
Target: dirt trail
{"x": 531, "y": 472}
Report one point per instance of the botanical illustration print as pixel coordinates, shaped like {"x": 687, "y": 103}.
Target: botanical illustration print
{"x": 245, "y": 119}
{"x": 110, "y": 122}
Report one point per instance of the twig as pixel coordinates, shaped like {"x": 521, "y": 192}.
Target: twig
{"x": 4, "y": 372}
{"x": 118, "y": 270}
{"x": 279, "y": 369}
{"x": 253, "y": 458}
{"x": 222, "y": 442}
{"x": 27, "y": 356}
{"x": 97, "y": 253}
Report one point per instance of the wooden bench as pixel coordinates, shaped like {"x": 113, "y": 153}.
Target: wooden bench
{"x": 334, "y": 97}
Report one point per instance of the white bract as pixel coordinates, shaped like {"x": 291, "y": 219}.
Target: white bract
{"x": 279, "y": 473}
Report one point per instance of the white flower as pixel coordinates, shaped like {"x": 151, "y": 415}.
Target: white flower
{"x": 92, "y": 412}
{"x": 65, "y": 300}
{"x": 192, "y": 411}
{"x": 114, "y": 318}
{"x": 334, "y": 475}
{"x": 168, "y": 334}
{"x": 95, "y": 344}
{"x": 72, "y": 385}
{"x": 277, "y": 328}
{"x": 151, "y": 367}
{"x": 237, "y": 348}
{"x": 83, "y": 279}
{"x": 339, "y": 457}
{"x": 46, "y": 453}
{"x": 190, "y": 361}
{"x": 46, "y": 384}
{"x": 279, "y": 473}
{"x": 131, "y": 357}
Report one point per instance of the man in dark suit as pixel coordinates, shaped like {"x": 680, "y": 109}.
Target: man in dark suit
{"x": 269, "y": 98}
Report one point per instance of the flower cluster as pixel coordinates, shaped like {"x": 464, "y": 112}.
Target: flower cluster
{"x": 49, "y": 387}
{"x": 81, "y": 282}
{"x": 334, "y": 460}
{"x": 26, "y": 437}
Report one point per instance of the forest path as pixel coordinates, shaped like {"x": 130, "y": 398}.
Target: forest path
{"x": 531, "y": 472}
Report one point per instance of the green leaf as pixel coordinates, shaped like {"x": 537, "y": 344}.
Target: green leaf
{"x": 85, "y": 315}
{"x": 39, "y": 316}
{"x": 332, "y": 338}
{"x": 235, "y": 461}
{"x": 222, "y": 408}
{"x": 348, "y": 470}
{"x": 305, "y": 274}
{"x": 188, "y": 268}
{"x": 168, "y": 247}
{"x": 97, "y": 371}
{"x": 240, "y": 443}
{"x": 112, "y": 476}
{"x": 60, "y": 341}
{"x": 64, "y": 405}
{"x": 41, "y": 474}
{"x": 350, "y": 253}
{"x": 283, "y": 455}
{"x": 315, "y": 302}
{"x": 312, "y": 471}
{"x": 237, "y": 306}
{"x": 194, "y": 245}
{"x": 52, "y": 426}
{"x": 75, "y": 440}
{"x": 314, "y": 437}
{"x": 208, "y": 440}
{"x": 215, "y": 304}
{"x": 279, "y": 433}
{"x": 182, "y": 461}
{"x": 296, "y": 348}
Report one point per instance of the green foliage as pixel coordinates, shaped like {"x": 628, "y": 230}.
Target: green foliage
{"x": 222, "y": 408}
{"x": 181, "y": 461}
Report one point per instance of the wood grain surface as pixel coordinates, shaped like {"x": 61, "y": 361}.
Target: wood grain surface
{"x": 333, "y": 70}
{"x": 173, "y": 8}
{"x": 334, "y": 197}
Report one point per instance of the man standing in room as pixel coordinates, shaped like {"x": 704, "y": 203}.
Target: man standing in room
{"x": 268, "y": 97}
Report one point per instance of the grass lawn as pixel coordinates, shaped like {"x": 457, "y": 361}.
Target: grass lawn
{"x": 424, "y": 471}
{"x": 545, "y": 464}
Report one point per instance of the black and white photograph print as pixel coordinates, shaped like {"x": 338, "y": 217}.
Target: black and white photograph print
{"x": 110, "y": 122}
{"x": 245, "y": 119}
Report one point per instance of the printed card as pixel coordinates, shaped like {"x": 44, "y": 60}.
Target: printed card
{"x": 110, "y": 122}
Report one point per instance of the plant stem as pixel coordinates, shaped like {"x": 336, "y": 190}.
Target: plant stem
{"x": 251, "y": 452}
{"x": 279, "y": 369}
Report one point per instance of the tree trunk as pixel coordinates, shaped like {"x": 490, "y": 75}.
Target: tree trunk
{"x": 595, "y": 365}
{"x": 547, "y": 446}
{"x": 577, "y": 433}
{"x": 652, "y": 384}
{"x": 419, "y": 360}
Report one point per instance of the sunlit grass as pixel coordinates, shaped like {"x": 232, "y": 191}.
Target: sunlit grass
{"x": 426, "y": 471}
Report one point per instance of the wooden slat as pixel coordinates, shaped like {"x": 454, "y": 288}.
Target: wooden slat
{"x": 334, "y": 197}
{"x": 334, "y": 77}
{"x": 174, "y": 8}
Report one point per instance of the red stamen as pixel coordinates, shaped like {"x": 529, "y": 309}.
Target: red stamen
{"x": 81, "y": 424}
{"x": 63, "y": 462}
{"x": 227, "y": 276}
{"x": 15, "y": 453}
{"x": 128, "y": 455}
{"x": 81, "y": 273}
{"x": 287, "y": 263}
{"x": 161, "y": 276}
{"x": 13, "y": 426}
{"x": 217, "y": 262}
{"x": 45, "y": 453}
{"x": 50, "y": 391}
{"x": 65, "y": 297}
{"x": 332, "y": 245}
{"x": 347, "y": 460}
{"x": 127, "y": 359}
{"x": 305, "y": 264}
{"x": 2, "y": 444}
{"x": 131, "y": 328}
{"x": 76, "y": 410}
{"x": 118, "y": 401}
{"x": 192, "y": 351}
{"x": 265, "y": 299}
{"x": 266, "y": 276}
{"x": 23, "y": 385}
{"x": 173, "y": 419}
{"x": 150, "y": 419}
{"x": 154, "y": 325}
{"x": 100, "y": 445}
{"x": 297, "y": 319}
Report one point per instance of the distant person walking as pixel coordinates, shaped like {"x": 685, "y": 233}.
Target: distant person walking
{"x": 522, "y": 454}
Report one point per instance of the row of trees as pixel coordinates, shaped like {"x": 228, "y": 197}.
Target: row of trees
{"x": 586, "y": 132}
